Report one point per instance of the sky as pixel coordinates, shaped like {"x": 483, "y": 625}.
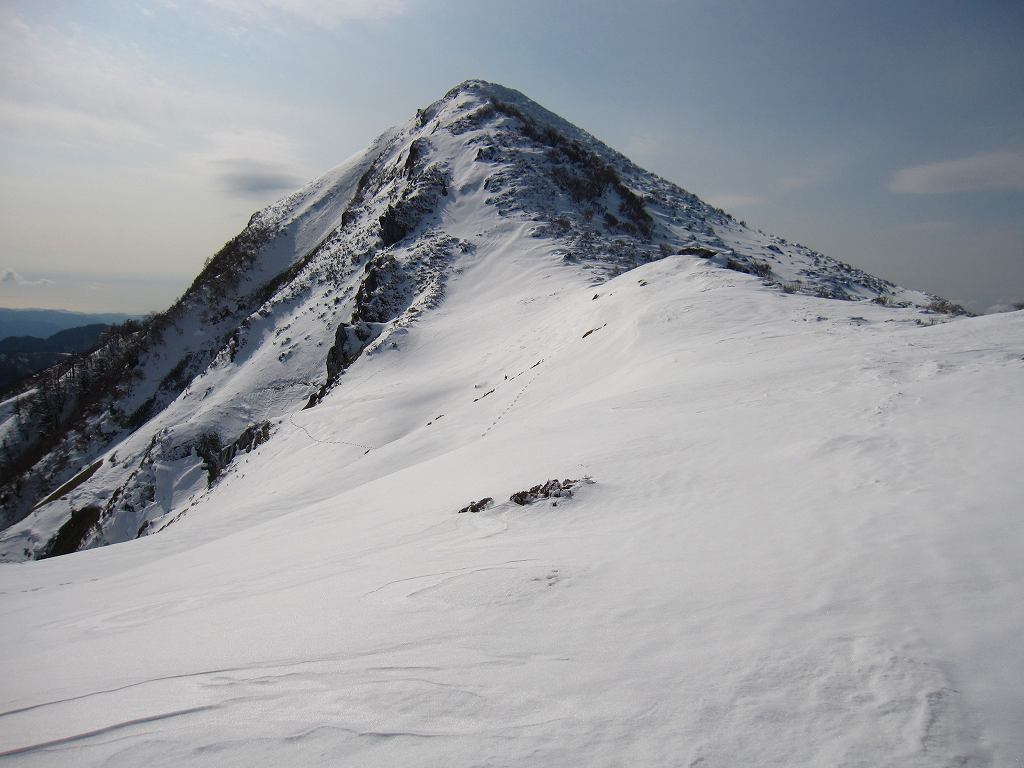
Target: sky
{"x": 137, "y": 137}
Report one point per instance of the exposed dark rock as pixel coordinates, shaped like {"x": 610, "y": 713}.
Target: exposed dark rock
{"x": 419, "y": 200}
{"x": 478, "y": 506}
{"x": 375, "y": 300}
{"x": 756, "y": 268}
{"x": 72, "y": 534}
{"x": 400, "y": 219}
{"x": 217, "y": 456}
{"x": 550, "y": 489}
{"x": 698, "y": 250}
{"x": 349, "y": 341}
{"x": 417, "y": 150}
{"x": 393, "y": 226}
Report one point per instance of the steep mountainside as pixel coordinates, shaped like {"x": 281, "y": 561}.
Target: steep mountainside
{"x": 490, "y": 448}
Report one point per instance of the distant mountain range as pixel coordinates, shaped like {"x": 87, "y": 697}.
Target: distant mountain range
{"x": 21, "y": 356}
{"x": 43, "y": 323}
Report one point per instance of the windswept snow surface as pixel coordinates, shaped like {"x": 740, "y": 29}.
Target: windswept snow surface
{"x": 802, "y": 547}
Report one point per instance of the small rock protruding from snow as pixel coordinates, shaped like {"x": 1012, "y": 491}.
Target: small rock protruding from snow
{"x": 478, "y": 506}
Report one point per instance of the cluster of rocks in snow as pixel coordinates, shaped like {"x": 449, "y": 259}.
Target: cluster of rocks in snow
{"x": 551, "y": 489}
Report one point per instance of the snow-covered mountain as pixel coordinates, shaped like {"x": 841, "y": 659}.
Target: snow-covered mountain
{"x": 784, "y": 531}
{"x": 340, "y": 270}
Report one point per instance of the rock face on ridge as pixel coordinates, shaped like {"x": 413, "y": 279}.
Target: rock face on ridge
{"x": 338, "y": 272}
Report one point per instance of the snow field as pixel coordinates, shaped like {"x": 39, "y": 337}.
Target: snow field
{"x": 800, "y": 549}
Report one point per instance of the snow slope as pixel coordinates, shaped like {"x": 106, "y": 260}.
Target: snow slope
{"x": 800, "y": 546}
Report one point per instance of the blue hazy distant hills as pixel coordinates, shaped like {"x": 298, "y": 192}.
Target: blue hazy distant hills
{"x": 22, "y": 356}
{"x": 43, "y": 323}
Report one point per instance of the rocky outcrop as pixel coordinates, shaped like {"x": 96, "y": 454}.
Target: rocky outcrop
{"x": 552, "y": 489}
{"x": 71, "y": 535}
{"x": 404, "y": 216}
{"x": 350, "y": 339}
{"x": 217, "y": 456}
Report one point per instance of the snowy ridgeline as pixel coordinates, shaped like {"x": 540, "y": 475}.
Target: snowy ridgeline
{"x": 799, "y": 546}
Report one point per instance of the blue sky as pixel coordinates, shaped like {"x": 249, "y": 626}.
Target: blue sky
{"x": 137, "y": 137}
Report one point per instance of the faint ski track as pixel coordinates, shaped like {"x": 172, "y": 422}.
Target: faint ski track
{"x": 291, "y": 418}
{"x": 456, "y": 572}
{"x": 509, "y": 407}
{"x": 358, "y": 387}
{"x": 259, "y": 665}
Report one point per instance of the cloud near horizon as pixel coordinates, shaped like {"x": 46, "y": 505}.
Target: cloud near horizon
{"x": 11, "y": 278}
{"x": 984, "y": 172}
{"x": 997, "y": 309}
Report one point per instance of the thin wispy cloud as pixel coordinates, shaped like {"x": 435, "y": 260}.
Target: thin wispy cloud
{"x": 977, "y": 173}
{"x": 55, "y": 85}
{"x": 253, "y": 179}
{"x": 250, "y": 164}
{"x": 67, "y": 126}
{"x": 58, "y": 90}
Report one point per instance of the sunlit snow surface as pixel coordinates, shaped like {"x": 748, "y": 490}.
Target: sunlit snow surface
{"x": 803, "y": 547}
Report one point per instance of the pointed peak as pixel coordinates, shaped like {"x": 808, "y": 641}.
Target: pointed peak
{"x": 484, "y": 88}
{"x": 473, "y": 93}
{"x": 484, "y": 91}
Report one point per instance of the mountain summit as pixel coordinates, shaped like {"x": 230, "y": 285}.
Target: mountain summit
{"x": 490, "y": 448}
